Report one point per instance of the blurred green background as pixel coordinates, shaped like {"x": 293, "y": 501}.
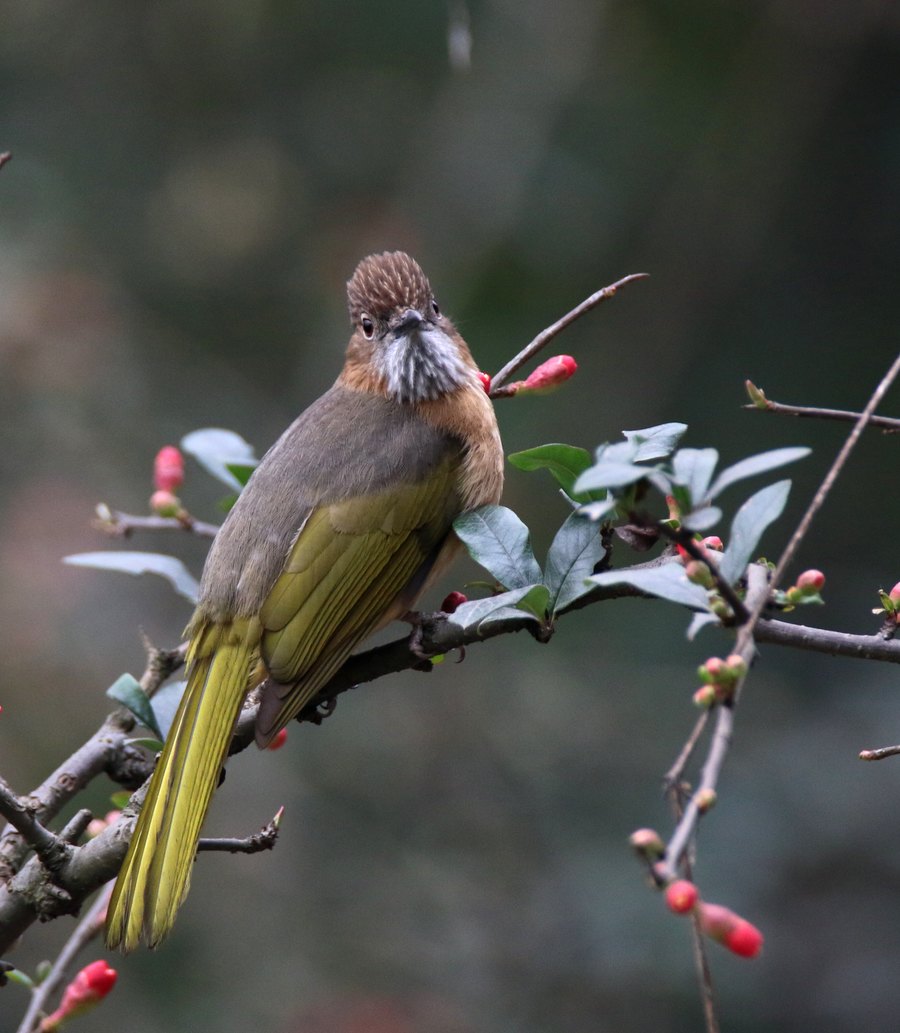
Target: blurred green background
{"x": 193, "y": 183}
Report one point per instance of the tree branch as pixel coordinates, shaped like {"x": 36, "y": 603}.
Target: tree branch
{"x": 265, "y": 839}
{"x": 813, "y": 412}
{"x": 547, "y": 335}
{"x": 122, "y": 525}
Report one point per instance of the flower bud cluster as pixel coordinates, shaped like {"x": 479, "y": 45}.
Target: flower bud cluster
{"x": 168, "y": 476}
{"x": 719, "y": 679}
{"x": 717, "y": 922}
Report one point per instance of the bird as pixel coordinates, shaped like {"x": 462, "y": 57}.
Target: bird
{"x": 344, "y": 523}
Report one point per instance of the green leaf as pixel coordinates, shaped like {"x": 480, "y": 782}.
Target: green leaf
{"x": 693, "y": 468}
{"x": 172, "y": 569}
{"x": 534, "y": 603}
{"x": 756, "y": 464}
{"x": 498, "y": 540}
{"x": 241, "y": 471}
{"x": 574, "y": 553}
{"x": 598, "y": 510}
{"x": 702, "y": 519}
{"x": 127, "y": 690}
{"x": 748, "y": 525}
{"x": 698, "y": 622}
{"x": 565, "y": 462}
{"x": 655, "y": 442}
{"x": 154, "y": 745}
{"x": 666, "y": 582}
{"x": 472, "y": 615}
{"x": 165, "y": 702}
{"x": 216, "y": 449}
{"x": 610, "y": 474}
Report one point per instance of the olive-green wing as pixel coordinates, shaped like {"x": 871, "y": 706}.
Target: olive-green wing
{"x": 345, "y": 576}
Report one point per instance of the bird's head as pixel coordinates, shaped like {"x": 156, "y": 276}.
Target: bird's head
{"x": 400, "y": 336}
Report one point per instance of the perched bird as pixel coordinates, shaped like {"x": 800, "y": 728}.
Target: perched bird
{"x": 343, "y": 524}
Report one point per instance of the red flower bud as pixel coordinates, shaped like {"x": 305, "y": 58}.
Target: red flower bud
{"x": 724, "y": 926}
{"x": 85, "y": 991}
{"x": 548, "y": 376}
{"x": 168, "y": 469}
{"x": 279, "y": 740}
{"x": 485, "y": 379}
{"x": 811, "y": 581}
{"x": 681, "y": 896}
{"x": 453, "y": 600}
{"x": 165, "y": 504}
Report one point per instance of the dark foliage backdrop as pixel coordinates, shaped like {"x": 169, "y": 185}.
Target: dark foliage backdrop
{"x": 192, "y": 184}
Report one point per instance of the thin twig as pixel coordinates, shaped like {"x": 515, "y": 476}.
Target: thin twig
{"x": 815, "y": 413}
{"x": 5, "y": 157}
{"x": 825, "y": 487}
{"x": 547, "y": 335}
{"x": 880, "y": 753}
{"x": 698, "y": 943}
{"x": 84, "y": 932}
{"x": 121, "y": 525}
{"x": 685, "y": 538}
{"x": 672, "y": 778}
{"x": 758, "y": 592}
{"x": 265, "y": 839}
{"x": 667, "y": 869}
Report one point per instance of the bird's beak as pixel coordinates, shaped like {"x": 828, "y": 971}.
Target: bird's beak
{"x": 409, "y": 320}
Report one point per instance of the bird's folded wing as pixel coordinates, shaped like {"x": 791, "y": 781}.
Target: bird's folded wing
{"x": 349, "y": 563}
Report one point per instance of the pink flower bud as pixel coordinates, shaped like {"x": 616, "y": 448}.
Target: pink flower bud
{"x": 737, "y": 666}
{"x": 811, "y": 581}
{"x": 165, "y": 504}
{"x": 681, "y": 896}
{"x": 647, "y": 842}
{"x": 705, "y": 697}
{"x": 724, "y": 926}
{"x": 895, "y": 593}
{"x": 713, "y": 542}
{"x": 279, "y": 740}
{"x": 168, "y": 469}
{"x": 453, "y": 600}
{"x": 548, "y": 376}
{"x": 485, "y": 379}
{"x": 712, "y": 670}
{"x": 85, "y": 991}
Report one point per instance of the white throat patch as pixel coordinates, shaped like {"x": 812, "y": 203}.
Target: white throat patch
{"x": 421, "y": 364}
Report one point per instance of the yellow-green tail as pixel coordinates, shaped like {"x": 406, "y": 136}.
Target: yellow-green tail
{"x": 156, "y": 873}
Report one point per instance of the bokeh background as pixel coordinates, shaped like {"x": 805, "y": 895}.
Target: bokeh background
{"x": 192, "y": 184}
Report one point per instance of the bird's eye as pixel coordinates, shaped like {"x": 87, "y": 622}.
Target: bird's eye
{"x": 435, "y": 308}
{"x": 368, "y": 328}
